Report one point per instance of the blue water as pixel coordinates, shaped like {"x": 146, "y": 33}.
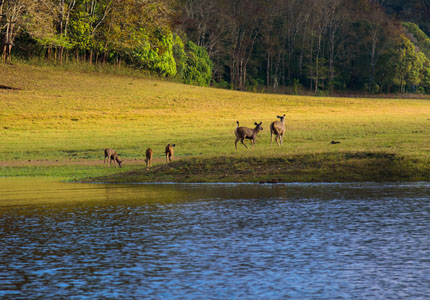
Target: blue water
{"x": 294, "y": 241}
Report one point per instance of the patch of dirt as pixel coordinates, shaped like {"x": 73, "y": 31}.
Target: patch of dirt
{"x": 72, "y": 162}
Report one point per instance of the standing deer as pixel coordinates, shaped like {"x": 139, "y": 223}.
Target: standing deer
{"x": 278, "y": 128}
{"x": 169, "y": 151}
{"x": 243, "y": 133}
{"x": 111, "y": 155}
{"x": 148, "y": 158}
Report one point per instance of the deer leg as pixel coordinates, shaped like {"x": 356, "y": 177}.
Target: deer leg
{"x": 271, "y": 138}
{"x": 243, "y": 143}
{"x": 235, "y": 143}
{"x": 277, "y": 139}
{"x": 282, "y": 140}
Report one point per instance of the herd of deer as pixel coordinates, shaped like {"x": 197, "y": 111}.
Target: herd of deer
{"x": 112, "y": 155}
{"x": 277, "y": 129}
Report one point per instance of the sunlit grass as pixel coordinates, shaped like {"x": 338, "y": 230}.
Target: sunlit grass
{"x": 61, "y": 115}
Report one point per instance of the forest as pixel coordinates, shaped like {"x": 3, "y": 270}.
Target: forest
{"x": 282, "y": 46}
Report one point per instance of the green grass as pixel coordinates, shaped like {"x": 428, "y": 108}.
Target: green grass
{"x": 66, "y": 172}
{"x": 56, "y": 114}
{"x": 340, "y": 167}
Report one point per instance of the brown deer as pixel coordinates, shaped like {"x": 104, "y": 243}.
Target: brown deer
{"x": 111, "y": 155}
{"x": 148, "y": 158}
{"x": 169, "y": 151}
{"x": 243, "y": 133}
{"x": 277, "y": 128}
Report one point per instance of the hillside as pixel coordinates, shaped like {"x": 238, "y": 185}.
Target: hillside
{"x": 57, "y": 123}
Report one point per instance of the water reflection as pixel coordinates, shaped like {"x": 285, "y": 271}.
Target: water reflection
{"x": 214, "y": 241}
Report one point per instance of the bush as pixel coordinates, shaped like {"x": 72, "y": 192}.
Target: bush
{"x": 154, "y": 52}
{"x": 198, "y": 68}
{"x": 180, "y": 56}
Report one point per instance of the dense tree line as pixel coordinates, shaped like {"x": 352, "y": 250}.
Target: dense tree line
{"x": 270, "y": 45}
{"x": 138, "y": 33}
{"x": 323, "y": 45}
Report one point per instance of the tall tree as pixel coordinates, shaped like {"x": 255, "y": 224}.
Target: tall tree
{"x": 18, "y": 15}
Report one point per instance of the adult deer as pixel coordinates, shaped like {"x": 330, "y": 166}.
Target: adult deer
{"x": 169, "y": 151}
{"x": 111, "y": 155}
{"x": 243, "y": 133}
{"x": 148, "y": 158}
{"x": 277, "y": 128}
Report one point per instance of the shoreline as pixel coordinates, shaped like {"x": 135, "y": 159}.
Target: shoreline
{"x": 340, "y": 167}
{"x": 318, "y": 168}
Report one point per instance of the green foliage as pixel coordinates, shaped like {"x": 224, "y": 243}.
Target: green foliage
{"x": 425, "y": 82}
{"x": 80, "y": 31}
{"x": 198, "y": 69}
{"x": 422, "y": 40}
{"x": 409, "y": 64}
{"x": 55, "y": 41}
{"x": 193, "y": 64}
{"x": 154, "y": 52}
{"x": 180, "y": 56}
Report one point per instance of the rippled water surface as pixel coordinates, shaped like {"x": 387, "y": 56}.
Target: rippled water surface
{"x": 293, "y": 241}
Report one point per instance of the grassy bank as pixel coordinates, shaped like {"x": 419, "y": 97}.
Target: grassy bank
{"x": 323, "y": 167}
{"x": 61, "y": 117}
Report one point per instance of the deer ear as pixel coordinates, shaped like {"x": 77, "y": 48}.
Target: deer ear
{"x": 173, "y": 145}
{"x": 255, "y": 123}
{"x": 260, "y": 123}
{"x": 284, "y": 115}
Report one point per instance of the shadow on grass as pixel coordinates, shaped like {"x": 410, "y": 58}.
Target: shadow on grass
{"x": 4, "y": 87}
{"x": 321, "y": 167}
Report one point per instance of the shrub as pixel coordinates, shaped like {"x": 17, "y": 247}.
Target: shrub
{"x": 198, "y": 68}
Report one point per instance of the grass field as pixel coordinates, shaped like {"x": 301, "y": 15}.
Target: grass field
{"x": 51, "y": 118}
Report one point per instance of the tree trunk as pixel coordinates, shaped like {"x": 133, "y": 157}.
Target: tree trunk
{"x": 7, "y": 42}
{"x": 91, "y": 57}
{"x": 60, "y": 55}
{"x": 4, "y": 53}
{"x": 268, "y": 70}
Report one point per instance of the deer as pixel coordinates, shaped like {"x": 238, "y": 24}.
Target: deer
{"x": 111, "y": 155}
{"x": 243, "y": 133}
{"x": 148, "y": 158}
{"x": 169, "y": 151}
{"x": 277, "y": 128}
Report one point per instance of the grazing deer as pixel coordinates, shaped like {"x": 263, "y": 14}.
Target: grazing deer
{"x": 277, "y": 128}
{"x": 243, "y": 133}
{"x": 148, "y": 158}
{"x": 169, "y": 151}
{"x": 111, "y": 155}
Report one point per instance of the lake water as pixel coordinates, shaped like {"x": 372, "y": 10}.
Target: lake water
{"x": 292, "y": 241}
